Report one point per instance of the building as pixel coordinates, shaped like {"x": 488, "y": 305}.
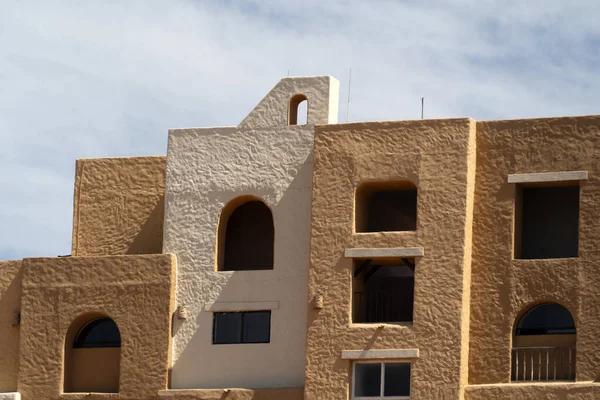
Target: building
{"x": 428, "y": 259}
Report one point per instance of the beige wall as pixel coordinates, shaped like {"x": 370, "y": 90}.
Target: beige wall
{"x": 118, "y": 206}
{"x": 434, "y": 155}
{"x": 207, "y": 168}
{"x": 135, "y": 291}
{"x": 503, "y": 287}
{"x": 10, "y": 302}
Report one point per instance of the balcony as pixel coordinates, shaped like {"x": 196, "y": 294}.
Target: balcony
{"x": 382, "y": 306}
{"x": 543, "y": 364}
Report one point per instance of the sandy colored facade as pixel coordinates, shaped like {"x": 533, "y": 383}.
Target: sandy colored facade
{"x": 154, "y": 302}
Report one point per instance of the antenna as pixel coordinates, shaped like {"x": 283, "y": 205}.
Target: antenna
{"x": 422, "y": 106}
{"x": 288, "y": 72}
{"x": 348, "y": 106}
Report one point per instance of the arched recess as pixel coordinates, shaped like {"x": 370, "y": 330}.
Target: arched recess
{"x": 92, "y": 355}
{"x": 246, "y": 234}
{"x": 298, "y": 110}
{"x": 385, "y": 206}
{"x": 544, "y": 344}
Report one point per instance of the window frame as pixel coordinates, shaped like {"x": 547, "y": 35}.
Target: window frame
{"x": 241, "y": 332}
{"x": 382, "y": 380}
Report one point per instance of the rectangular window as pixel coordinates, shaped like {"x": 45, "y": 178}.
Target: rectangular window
{"x": 547, "y": 222}
{"x": 383, "y": 290}
{"x": 381, "y": 380}
{"x": 241, "y": 327}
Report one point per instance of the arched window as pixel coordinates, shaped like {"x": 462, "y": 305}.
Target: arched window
{"x": 246, "y": 236}
{"x": 388, "y": 206}
{"x": 92, "y": 355}
{"x": 298, "y": 110}
{"x": 544, "y": 344}
{"x": 546, "y": 319}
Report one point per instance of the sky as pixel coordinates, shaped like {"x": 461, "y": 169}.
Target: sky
{"x": 108, "y": 78}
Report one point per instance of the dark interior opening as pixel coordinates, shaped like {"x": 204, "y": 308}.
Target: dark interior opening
{"x": 249, "y": 238}
{"x": 383, "y": 291}
{"x": 386, "y": 207}
{"x": 548, "y": 218}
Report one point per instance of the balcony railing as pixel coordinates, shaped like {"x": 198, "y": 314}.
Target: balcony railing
{"x": 381, "y": 306}
{"x": 543, "y": 364}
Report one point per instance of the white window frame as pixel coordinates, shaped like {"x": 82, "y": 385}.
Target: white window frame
{"x": 382, "y": 383}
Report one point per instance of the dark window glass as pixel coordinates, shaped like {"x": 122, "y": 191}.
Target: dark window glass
{"x": 546, "y": 319}
{"x": 367, "y": 379}
{"x": 386, "y": 206}
{"x": 249, "y": 238}
{"x": 257, "y": 327}
{"x": 227, "y": 328}
{"x": 101, "y": 332}
{"x": 550, "y": 222}
{"x": 241, "y": 327}
{"x": 397, "y": 379}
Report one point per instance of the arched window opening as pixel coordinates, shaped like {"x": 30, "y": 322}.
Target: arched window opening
{"x": 100, "y": 332}
{"x": 246, "y": 236}
{"x": 386, "y": 207}
{"x": 546, "y": 319}
{"x": 544, "y": 344}
{"x": 298, "y": 110}
{"x": 92, "y": 355}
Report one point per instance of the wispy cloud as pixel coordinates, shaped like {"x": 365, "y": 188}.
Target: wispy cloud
{"x": 95, "y": 79}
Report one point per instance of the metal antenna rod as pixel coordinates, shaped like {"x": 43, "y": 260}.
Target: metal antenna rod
{"x": 348, "y": 106}
{"x": 288, "y": 72}
{"x": 422, "y": 106}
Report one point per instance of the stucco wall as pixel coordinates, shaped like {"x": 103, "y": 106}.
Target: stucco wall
{"x": 118, "y": 206}
{"x": 206, "y": 169}
{"x": 534, "y": 391}
{"x": 10, "y": 302}
{"x": 503, "y": 287}
{"x": 135, "y": 291}
{"x": 436, "y": 155}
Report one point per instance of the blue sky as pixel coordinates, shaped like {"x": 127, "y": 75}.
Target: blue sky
{"x": 97, "y": 79}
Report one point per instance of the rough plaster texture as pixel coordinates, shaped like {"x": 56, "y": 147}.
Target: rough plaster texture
{"x": 534, "y": 391}
{"x": 436, "y": 156}
{"x": 233, "y": 394}
{"x": 136, "y": 291}
{"x": 502, "y": 287}
{"x": 208, "y": 168}
{"x": 10, "y": 396}
{"x": 118, "y": 206}
{"x": 10, "y": 302}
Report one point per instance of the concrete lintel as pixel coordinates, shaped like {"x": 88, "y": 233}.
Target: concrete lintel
{"x": 242, "y": 306}
{"x": 548, "y": 177}
{"x": 389, "y": 252}
{"x": 380, "y": 354}
{"x": 10, "y": 396}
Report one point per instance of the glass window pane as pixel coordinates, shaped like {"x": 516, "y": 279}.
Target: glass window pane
{"x": 102, "y": 332}
{"x": 367, "y": 379}
{"x": 397, "y": 379}
{"x": 227, "y": 328}
{"x": 257, "y": 327}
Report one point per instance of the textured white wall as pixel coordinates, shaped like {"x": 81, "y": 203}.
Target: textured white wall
{"x": 206, "y": 168}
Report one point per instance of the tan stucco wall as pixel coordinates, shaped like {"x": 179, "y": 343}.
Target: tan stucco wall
{"x": 10, "y": 302}
{"x": 136, "y": 291}
{"x": 118, "y": 206}
{"x": 434, "y": 155}
{"x": 503, "y": 287}
{"x": 534, "y": 391}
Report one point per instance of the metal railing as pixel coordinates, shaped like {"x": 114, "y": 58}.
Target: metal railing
{"x": 543, "y": 364}
{"x": 381, "y": 306}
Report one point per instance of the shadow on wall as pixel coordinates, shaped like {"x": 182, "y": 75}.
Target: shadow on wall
{"x": 285, "y": 283}
{"x": 150, "y": 237}
{"x": 10, "y": 302}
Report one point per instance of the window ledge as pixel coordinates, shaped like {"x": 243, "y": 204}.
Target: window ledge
{"x": 548, "y": 177}
{"x": 380, "y": 354}
{"x": 384, "y": 252}
{"x": 10, "y": 396}
{"x": 242, "y": 306}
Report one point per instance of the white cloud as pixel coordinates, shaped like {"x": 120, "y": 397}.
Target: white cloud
{"x": 95, "y": 79}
